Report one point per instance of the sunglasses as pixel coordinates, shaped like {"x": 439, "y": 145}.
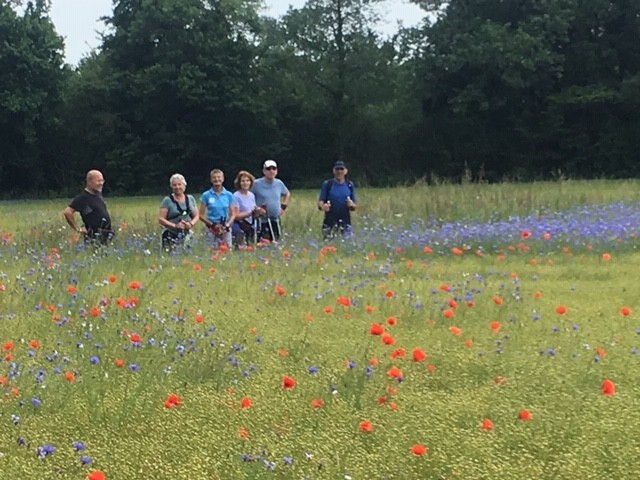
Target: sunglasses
{"x": 270, "y": 168}
{"x": 339, "y": 168}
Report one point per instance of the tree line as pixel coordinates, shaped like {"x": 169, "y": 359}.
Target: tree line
{"x": 482, "y": 90}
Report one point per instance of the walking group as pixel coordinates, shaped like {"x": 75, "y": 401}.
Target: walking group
{"x": 251, "y": 214}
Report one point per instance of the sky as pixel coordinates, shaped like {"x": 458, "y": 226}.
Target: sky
{"x": 78, "y": 20}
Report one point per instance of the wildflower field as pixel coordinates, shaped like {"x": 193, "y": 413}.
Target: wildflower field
{"x": 466, "y": 332}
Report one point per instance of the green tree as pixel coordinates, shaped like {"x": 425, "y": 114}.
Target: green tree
{"x": 525, "y": 89}
{"x": 32, "y": 78}
{"x": 335, "y": 85}
{"x": 181, "y": 86}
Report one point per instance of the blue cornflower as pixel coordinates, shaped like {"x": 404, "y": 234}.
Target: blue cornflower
{"x": 288, "y": 460}
{"x": 45, "y": 450}
{"x": 313, "y": 369}
{"x": 95, "y": 360}
{"x": 85, "y": 460}
{"x": 134, "y": 367}
{"x": 79, "y": 446}
{"x": 36, "y": 402}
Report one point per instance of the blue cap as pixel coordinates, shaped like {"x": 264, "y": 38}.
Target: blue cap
{"x": 339, "y": 164}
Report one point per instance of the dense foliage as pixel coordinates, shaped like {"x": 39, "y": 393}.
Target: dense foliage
{"x": 483, "y": 90}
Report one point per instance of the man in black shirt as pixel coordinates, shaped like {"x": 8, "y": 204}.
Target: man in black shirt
{"x": 92, "y": 209}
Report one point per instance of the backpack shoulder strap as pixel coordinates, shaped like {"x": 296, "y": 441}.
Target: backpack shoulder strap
{"x": 181, "y": 210}
{"x": 326, "y": 189}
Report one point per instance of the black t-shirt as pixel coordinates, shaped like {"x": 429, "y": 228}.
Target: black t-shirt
{"x": 93, "y": 210}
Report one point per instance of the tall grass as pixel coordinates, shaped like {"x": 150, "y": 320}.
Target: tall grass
{"x": 216, "y": 327}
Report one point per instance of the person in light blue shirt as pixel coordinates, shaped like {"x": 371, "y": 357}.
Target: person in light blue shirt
{"x": 272, "y": 199}
{"x": 337, "y": 201}
{"x": 218, "y": 209}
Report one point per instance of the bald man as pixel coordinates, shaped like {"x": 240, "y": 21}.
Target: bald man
{"x": 92, "y": 209}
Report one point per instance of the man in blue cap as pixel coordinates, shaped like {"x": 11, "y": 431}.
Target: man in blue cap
{"x": 337, "y": 201}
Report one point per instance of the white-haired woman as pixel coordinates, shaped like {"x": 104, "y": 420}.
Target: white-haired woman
{"x": 178, "y": 213}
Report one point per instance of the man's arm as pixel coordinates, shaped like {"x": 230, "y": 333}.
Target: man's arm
{"x": 323, "y": 202}
{"x": 202, "y": 214}
{"x": 69, "y": 215}
{"x": 284, "y": 201}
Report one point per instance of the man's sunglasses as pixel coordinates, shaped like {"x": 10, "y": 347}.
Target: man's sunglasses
{"x": 339, "y": 168}
{"x": 270, "y": 168}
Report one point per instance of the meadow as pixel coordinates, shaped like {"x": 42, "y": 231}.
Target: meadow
{"x": 466, "y": 332}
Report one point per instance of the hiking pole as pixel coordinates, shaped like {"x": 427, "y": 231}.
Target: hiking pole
{"x": 255, "y": 230}
{"x": 273, "y": 237}
{"x": 279, "y": 225}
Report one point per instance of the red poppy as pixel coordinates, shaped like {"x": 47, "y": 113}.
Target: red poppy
{"x": 419, "y": 355}
{"x": 448, "y": 313}
{"x": 135, "y": 338}
{"x": 445, "y": 287}
{"x": 495, "y": 325}
{"x": 69, "y": 375}
{"x": 388, "y": 339}
{"x": 487, "y": 424}
{"x": 468, "y": 343}
{"x": 328, "y": 309}
{"x": 393, "y": 406}
{"x": 173, "y": 400}
{"x": 389, "y": 293}
{"x": 606, "y": 256}
{"x": 288, "y": 382}
{"x": 525, "y": 415}
{"x": 96, "y": 475}
{"x": 394, "y": 372}
{"x": 625, "y": 311}
{"x": 376, "y": 329}
{"x": 134, "y": 285}
{"x": 561, "y": 309}
{"x": 199, "y": 318}
{"x": 34, "y": 343}
{"x": 398, "y": 353}
{"x": 8, "y": 345}
{"x": 608, "y": 387}
{"x": 452, "y": 303}
{"x": 95, "y": 311}
{"x": 382, "y": 400}
{"x": 456, "y": 251}
{"x": 317, "y": 403}
{"x": 366, "y": 426}
{"x": 427, "y": 249}
{"x": 344, "y": 301}
{"x": 118, "y": 362}
{"x": 245, "y": 402}
{"x": 391, "y": 321}
{"x": 525, "y": 234}
{"x": 370, "y": 308}
{"x": 418, "y": 449}
{"x": 537, "y": 294}
{"x": 455, "y": 330}
{"x": 280, "y": 290}
{"x": 71, "y": 289}
{"x": 498, "y": 300}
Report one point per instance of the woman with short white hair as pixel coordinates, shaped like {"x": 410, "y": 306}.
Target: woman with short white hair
{"x": 178, "y": 213}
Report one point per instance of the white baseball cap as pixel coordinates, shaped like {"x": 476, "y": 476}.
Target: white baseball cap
{"x": 270, "y": 163}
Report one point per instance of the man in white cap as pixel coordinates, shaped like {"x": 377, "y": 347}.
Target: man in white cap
{"x": 272, "y": 199}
